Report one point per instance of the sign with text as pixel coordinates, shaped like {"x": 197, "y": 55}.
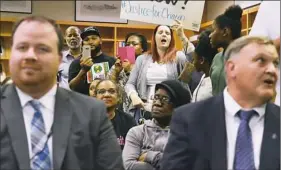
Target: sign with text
{"x": 164, "y": 12}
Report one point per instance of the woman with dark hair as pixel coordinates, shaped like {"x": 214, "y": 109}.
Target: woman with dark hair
{"x": 120, "y": 72}
{"x": 164, "y": 62}
{"x": 202, "y": 60}
{"x": 110, "y": 93}
{"x": 226, "y": 28}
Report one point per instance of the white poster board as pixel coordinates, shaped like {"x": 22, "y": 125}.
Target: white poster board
{"x": 16, "y": 6}
{"x": 164, "y": 12}
{"x": 98, "y": 11}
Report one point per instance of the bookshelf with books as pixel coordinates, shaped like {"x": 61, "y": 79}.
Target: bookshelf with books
{"x": 113, "y": 35}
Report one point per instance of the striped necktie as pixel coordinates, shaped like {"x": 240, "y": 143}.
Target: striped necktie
{"x": 41, "y": 155}
{"x": 244, "y": 154}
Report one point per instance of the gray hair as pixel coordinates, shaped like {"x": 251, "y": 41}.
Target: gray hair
{"x": 236, "y": 46}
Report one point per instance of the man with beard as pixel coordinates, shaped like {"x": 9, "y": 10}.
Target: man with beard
{"x": 80, "y": 66}
{"x": 73, "y": 41}
{"x": 145, "y": 143}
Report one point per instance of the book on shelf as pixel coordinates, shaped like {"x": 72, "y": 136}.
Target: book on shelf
{"x": 119, "y": 44}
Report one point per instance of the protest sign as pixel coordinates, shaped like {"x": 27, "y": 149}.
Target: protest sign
{"x": 98, "y": 70}
{"x": 164, "y": 12}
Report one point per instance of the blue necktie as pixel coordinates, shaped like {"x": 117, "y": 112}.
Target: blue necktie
{"x": 244, "y": 155}
{"x": 41, "y": 156}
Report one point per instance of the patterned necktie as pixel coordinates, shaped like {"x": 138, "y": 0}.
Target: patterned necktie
{"x": 244, "y": 155}
{"x": 41, "y": 156}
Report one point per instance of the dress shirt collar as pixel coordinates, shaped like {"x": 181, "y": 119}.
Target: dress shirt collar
{"x": 232, "y": 107}
{"x": 66, "y": 56}
{"x": 48, "y": 100}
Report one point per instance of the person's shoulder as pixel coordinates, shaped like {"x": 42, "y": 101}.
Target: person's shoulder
{"x": 275, "y": 109}
{"x": 142, "y": 57}
{"x": 180, "y": 56}
{"x": 127, "y": 118}
{"x": 217, "y": 58}
{"x": 219, "y": 54}
{"x": 136, "y": 130}
{"x": 198, "y": 110}
{"x": 82, "y": 101}
{"x": 76, "y": 61}
{"x": 125, "y": 115}
{"x": 107, "y": 57}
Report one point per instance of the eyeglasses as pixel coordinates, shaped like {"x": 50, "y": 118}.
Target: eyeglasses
{"x": 132, "y": 43}
{"x": 103, "y": 91}
{"x": 163, "y": 99}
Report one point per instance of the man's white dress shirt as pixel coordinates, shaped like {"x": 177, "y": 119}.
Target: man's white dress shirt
{"x": 232, "y": 122}
{"x": 47, "y": 109}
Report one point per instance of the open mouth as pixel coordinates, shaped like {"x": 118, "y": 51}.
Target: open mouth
{"x": 73, "y": 43}
{"x": 107, "y": 100}
{"x": 269, "y": 82}
{"x": 163, "y": 40}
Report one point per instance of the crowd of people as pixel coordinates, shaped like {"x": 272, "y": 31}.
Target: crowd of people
{"x": 207, "y": 106}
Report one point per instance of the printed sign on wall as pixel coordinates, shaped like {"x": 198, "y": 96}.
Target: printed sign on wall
{"x": 164, "y": 12}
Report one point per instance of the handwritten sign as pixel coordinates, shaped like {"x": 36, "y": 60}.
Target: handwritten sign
{"x": 164, "y": 12}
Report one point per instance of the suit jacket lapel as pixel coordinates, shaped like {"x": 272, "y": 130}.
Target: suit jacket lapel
{"x": 61, "y": 127}
{"x": 270, "y": 149}
{"x": 12, "y": 111}
{"x": 218, "y": 138}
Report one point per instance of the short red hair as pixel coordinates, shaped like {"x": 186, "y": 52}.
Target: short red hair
{"x": 170, "y": 54}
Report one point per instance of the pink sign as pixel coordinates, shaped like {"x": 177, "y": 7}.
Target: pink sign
{"x": 127, "y": 53}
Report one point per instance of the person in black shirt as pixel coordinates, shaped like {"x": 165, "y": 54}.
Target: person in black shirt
{"x": 80, "y": 66}
{"x": 110, "y": 93}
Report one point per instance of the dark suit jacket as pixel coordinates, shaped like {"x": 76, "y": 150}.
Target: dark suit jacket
{"x": 83, "y": 137}
{"x": 198, "y": 138}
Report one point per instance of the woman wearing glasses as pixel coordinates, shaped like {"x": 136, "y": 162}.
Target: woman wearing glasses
{"x": 109, "y": 92}
{"x": 145, "y": 143}
{"x": 120, "y": 72}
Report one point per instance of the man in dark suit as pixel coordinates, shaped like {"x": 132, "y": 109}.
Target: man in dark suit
{"x": 238, "y": 129}
{"x": 43, "y": 126}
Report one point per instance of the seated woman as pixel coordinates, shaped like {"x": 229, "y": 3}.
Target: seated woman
{"x": 109, "y": 92}
{"x": 164, "y": 62}
{"x": 202, "y": 60}
{"x": 120, "y": 72}
{"x": 145, "y": 143}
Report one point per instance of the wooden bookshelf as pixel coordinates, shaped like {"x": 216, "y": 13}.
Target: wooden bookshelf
{"x": 111, "y": 35}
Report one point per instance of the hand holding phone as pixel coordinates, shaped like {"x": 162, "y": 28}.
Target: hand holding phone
{"x": 86, "y": 60}
{"x": 86, "y": 51}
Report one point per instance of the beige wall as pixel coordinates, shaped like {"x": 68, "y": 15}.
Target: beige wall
{"x": 64, "y": 10}
{"x": 57, "y": 10}
{"x": 215, "y": 8}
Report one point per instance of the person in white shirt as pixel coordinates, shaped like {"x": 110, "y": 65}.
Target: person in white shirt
{"x": 267, "y": 23}
{"x": 238, "y": 129}
{"x": 202, "y": 60}
{"x": 43, "y": 126}
{"x": 73, "y": 41}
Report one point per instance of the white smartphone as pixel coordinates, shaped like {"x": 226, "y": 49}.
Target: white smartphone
{"x": 86, "y": 51}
